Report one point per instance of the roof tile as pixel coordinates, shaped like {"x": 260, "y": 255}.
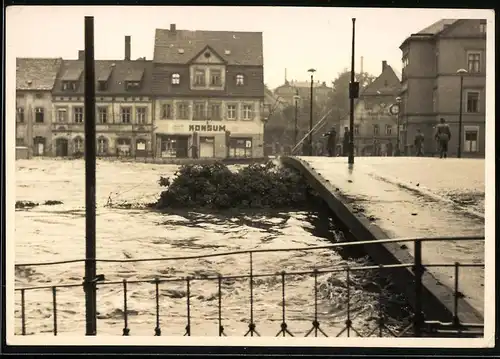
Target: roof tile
{"x": 237, "y": 48}
{"x": 118, "y": 72}
{"x": 36, "y": 73}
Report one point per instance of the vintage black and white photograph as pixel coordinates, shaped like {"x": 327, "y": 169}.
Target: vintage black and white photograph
{"x": 280, "y": 175}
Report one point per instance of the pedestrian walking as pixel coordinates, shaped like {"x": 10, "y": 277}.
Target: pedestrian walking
{"x": 331, "y": 144}
{"x": 419, "y": 143}
{"x": 345, "y": 144}
{"x": 443, "y": 136}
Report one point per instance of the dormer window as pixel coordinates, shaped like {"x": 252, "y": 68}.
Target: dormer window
{"x": 133, "y": 85}
{"x": 176, "y": 79}
{"x": 69, "y": 86}
{"x": 240, "y": 80}
{"x": 102, "y": 85}
{"x": 215, "y": 77}
{"x": 199, "y": 78}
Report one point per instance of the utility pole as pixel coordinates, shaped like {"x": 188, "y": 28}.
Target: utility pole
{"x": 353, "y": 93}
{"x": 296, "y": 132}
{"x": 311, "y": 114}
{"x": 90, "y": 182}
{"x": 461, "y": 72}
{"x": 29, "y": 130}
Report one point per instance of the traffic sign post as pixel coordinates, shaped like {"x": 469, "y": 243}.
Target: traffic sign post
{"x": 395, "y": 110}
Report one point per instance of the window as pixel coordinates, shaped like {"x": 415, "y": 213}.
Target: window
{"x": 20, "y": 114}
{"x": 215, "y": 77}
{"x": 231, "y": 112}
{"x": 482, "y": 27}
{"x": 103, "y": 114}
{"x": 199, "y": 77}
{"x": 69, "y": 86}
{"x": 182, "y": 111}
{"x": 101, "y": 85}
{"x": 215, "y": 114}
{"x": 166, "y": 111}
{"x": 474, "y": 62}
{"x": 102, "y": 146}
{"x": 472, "y": 101}
{"x": 199, "y": 111}
{"x": 140, "y": 113}
{"x": 240, "y": 147}
{"x": 356, "y": 129}
{"x": 62, "y": 115}
{"x": 388, "y": 129}
{"x": 176, "y": 79}
{"x": 471, "y": 138}
{"x": 39, "y": 115}
{"x": 78, "y": 114}
{"x": 126, "y": 114}
{"x": 240, "y": 80}
{"x": 78, "y": 145}
{"x": 247, "y": 112}
{"x": 19, "y": 141}
{"x": 133, "y": 85}
{"x": 376, "y": 130}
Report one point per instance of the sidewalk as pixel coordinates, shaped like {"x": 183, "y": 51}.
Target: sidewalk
{"x": 385, "y": 188}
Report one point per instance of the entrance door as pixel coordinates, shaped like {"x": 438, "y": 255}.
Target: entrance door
{"x": 61, "y": 147}
{"x": 140, "y": 148}
{"x": 207, "y": 147}
{"x": 181, "y": 147}
{"x": 39, "y": 144}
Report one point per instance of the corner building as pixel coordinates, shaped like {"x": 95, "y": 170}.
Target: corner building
{"x": 208, "y": 89}
{"x": 431, "y": 84}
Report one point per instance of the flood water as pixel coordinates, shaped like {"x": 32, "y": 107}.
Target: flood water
{"x": 57, "y": 232}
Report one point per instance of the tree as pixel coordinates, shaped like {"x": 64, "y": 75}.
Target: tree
{"x": 339, "y": 98}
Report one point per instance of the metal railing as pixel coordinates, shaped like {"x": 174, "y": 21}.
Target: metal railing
{"x": 418, "y": 323}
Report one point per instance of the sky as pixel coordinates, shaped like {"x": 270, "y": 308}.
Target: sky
{"x": 295, "y": 39}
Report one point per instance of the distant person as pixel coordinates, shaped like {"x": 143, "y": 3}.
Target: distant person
{"x": 389, "y": 149}
{"x": 345, "y": 144}
{"x": 331, "y": 142}
{"x": 443, "y": 136}
{"x": 419, "y": 143}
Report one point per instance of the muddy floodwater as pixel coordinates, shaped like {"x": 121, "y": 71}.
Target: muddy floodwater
{"x": 57, "y": 232}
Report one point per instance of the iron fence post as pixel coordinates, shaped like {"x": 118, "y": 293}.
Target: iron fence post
{"x": 418, "y": 270}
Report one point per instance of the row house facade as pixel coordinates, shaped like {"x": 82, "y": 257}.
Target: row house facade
{"x": 431, "y": 83}
{"x": 375, "y": 128}
{"x": 124, "y": 122}
{"x": 35, "y": 80}
{"x": 209, "y": 93}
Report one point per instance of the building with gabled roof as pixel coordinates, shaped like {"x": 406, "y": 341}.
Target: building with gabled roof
{"x": 431, "y": 83}
{"x": 124, "y": 119}
{"x": 35, "y": 78}
{"x": 375, "y": 128}
{"x": 209, "y": 93}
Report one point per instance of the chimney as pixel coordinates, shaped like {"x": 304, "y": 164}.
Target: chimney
{"x": 361, "y": 65}
{"x": 384, "y": 65}
{"x": 127, "y": 48}
{"x": 172, "y": 27}
{"x": 81, "y": 55}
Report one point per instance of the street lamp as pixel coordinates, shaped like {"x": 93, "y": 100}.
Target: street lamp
{"x": 398, "y": 145}
{"x": 312, "y": 71}
{"x": 461, "y": 73}
{"x": 296, "y": 99}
